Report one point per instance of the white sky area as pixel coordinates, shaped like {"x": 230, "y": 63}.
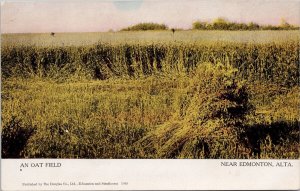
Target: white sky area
{"x": 37, "y": 16}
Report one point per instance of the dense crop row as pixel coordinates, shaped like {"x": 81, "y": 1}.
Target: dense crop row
{"x": 275, "y": 62}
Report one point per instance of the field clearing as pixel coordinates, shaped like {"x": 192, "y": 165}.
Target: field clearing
{"x": 194, "y": 37}
{"x": 194, "y": 94}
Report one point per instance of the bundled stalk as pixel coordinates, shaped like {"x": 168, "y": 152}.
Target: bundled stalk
{"x": 212, "y": 123}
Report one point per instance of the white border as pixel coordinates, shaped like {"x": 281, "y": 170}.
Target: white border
{"x": 145, "y": 174}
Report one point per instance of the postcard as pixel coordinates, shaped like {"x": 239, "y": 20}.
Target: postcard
{"x": 150, "y": 95}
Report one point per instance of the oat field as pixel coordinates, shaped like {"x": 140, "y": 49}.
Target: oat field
{"x": 191, "y": 94}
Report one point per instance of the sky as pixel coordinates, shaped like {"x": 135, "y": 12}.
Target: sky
{"x": 38, "y": 16}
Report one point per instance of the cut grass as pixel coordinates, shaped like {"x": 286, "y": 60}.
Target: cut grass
{"x": 108, "y": 119}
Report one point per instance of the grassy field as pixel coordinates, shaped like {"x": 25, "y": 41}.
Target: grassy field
{"x": 194, "y": 94}
{"x": 194, "y": 37}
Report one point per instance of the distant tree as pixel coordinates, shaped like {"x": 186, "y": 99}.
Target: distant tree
{"x": 220, "y": 24}
{"x": 253, "y": 26}
{"x": 270, "y": 27}
{"x": 52, "y": 34}
{"x": 242, "y": 26}
{"x": 284, "y": 24}
{"x": 200, "y": 25}
{"x": 146, "y": 26}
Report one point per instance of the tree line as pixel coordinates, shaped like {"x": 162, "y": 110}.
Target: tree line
{"x": 217, "y": 24}
{"x": 224, "y": 24}
{"x": 146, "y": 26}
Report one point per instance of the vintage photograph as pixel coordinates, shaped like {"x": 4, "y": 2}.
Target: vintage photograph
{"x": 142, "y": 79}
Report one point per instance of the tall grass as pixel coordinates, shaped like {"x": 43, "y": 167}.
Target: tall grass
{"x": 151, "y": 100}
{"x": 110, "y": 118}
{"x": 273, "y": 62}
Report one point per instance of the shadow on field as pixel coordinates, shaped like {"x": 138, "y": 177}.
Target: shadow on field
{"x": 14, "y": 138}
{"x": 16, "y": 135}
{"x": 277, "y": 133}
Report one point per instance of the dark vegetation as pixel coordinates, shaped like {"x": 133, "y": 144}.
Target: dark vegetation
{"x": 14, "y": 138}
{"x": 217, "y": 24}
{"x": 224, "y": 24}
{"x": 146, "y": 26}
{"x": 272, "y": 62}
